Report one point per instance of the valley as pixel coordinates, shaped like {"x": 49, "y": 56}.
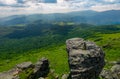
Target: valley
{"x": 59, "y": 39}
{"x": 36, "y": 40}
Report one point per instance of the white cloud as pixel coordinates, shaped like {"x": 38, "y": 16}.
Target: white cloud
{"x": 110, "y": 0}
{"x": 8, "y": 2}
{"x": 106, "y": 7}
{"x": 60, "y": 1}
{"x": 40, "y": 6}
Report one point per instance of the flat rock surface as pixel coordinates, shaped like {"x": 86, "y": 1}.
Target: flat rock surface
{"x": 25, "y": 65}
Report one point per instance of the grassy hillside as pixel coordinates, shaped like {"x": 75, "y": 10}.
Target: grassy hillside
{"x": 110, "y": 44}
{"x": 56, "y": 54}
{"x": 29, "y": 44}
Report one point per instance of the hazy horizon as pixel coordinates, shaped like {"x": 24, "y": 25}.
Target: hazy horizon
{"x": 18, "y": 7}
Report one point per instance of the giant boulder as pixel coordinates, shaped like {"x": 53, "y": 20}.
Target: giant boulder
{"x": 86, "y": 59}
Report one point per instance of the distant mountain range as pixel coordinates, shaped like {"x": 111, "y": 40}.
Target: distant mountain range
{"x": 90, "y": 17}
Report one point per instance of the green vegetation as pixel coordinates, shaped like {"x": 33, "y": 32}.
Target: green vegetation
{"x": 26, "y": 74}
{"x": 110, "y": 44}
{"x": 56, "y": 55}
{"x": 37, "y": 40}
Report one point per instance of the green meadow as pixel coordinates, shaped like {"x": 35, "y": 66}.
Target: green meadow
{"x": 52, "y": 46}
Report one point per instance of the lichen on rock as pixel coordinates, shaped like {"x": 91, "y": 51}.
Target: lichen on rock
{"x": 86, "y": 59}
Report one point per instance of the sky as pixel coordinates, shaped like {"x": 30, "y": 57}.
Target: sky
{"x": 16, "y": 7}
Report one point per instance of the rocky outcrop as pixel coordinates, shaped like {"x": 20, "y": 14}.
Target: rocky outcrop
{"x": 29, "y": 70}
{"x": 25, "y": 65}
{"x": 41, "y": 68}
{"x": 116, "y": 69}
{"x": 113, "y": 73}
{"x": 86, "y": 59}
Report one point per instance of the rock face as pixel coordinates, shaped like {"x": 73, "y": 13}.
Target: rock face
{"x": 113, "y": 73}
{"x": 108, "y": 74}
{"x": 86, "y": 59}
{"x": 25, "y": 65}
{"x": 41, "y": 68}
{"x": 116, "y": 69}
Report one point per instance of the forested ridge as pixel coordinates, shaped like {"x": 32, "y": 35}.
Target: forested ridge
{"x": 29, "y": 42}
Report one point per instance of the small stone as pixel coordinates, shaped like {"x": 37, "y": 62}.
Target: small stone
{"x": 114, "y": 62}
{"x": 57, "y": 77}
{"x": 41, "y": 78}
{"x": 116, "y": 69}
{"x": 52, "y": 71}
{"x": 25, "y": 65}
{"x": 106, "y": 74}
{"x": 65, "y": 76}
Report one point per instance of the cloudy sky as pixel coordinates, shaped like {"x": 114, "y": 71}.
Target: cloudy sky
{"x": 13, "y": 7}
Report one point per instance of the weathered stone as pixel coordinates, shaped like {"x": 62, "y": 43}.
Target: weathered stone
{"x": 56, "y": 76}
{"x": 114, "y": 62}
{"x": 52, "y": 71}
{"x": 108, "y": 74}
{"x": 41, "y": 68}
{"x": 86, "y": 59}
{"x": 65, "y": 76}
{"x": 41, "y": 78}
{"x": 25, "y": 65}
{"x": 116, "y": 70}
{"x": 11, "y": 74}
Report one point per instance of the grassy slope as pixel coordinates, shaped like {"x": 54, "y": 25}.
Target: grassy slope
{"x": 111, "y": 46}
{"x": 58, "y": 57}
{"x": 112, "y": 43}
{"x": 57, "y": 53}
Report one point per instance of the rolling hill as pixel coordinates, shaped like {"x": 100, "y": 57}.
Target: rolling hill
{"x": 90, "y": 17}
{"x": 38, "y": 39}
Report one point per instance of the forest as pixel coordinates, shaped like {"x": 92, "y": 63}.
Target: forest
{"x": 29, "y": 42}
